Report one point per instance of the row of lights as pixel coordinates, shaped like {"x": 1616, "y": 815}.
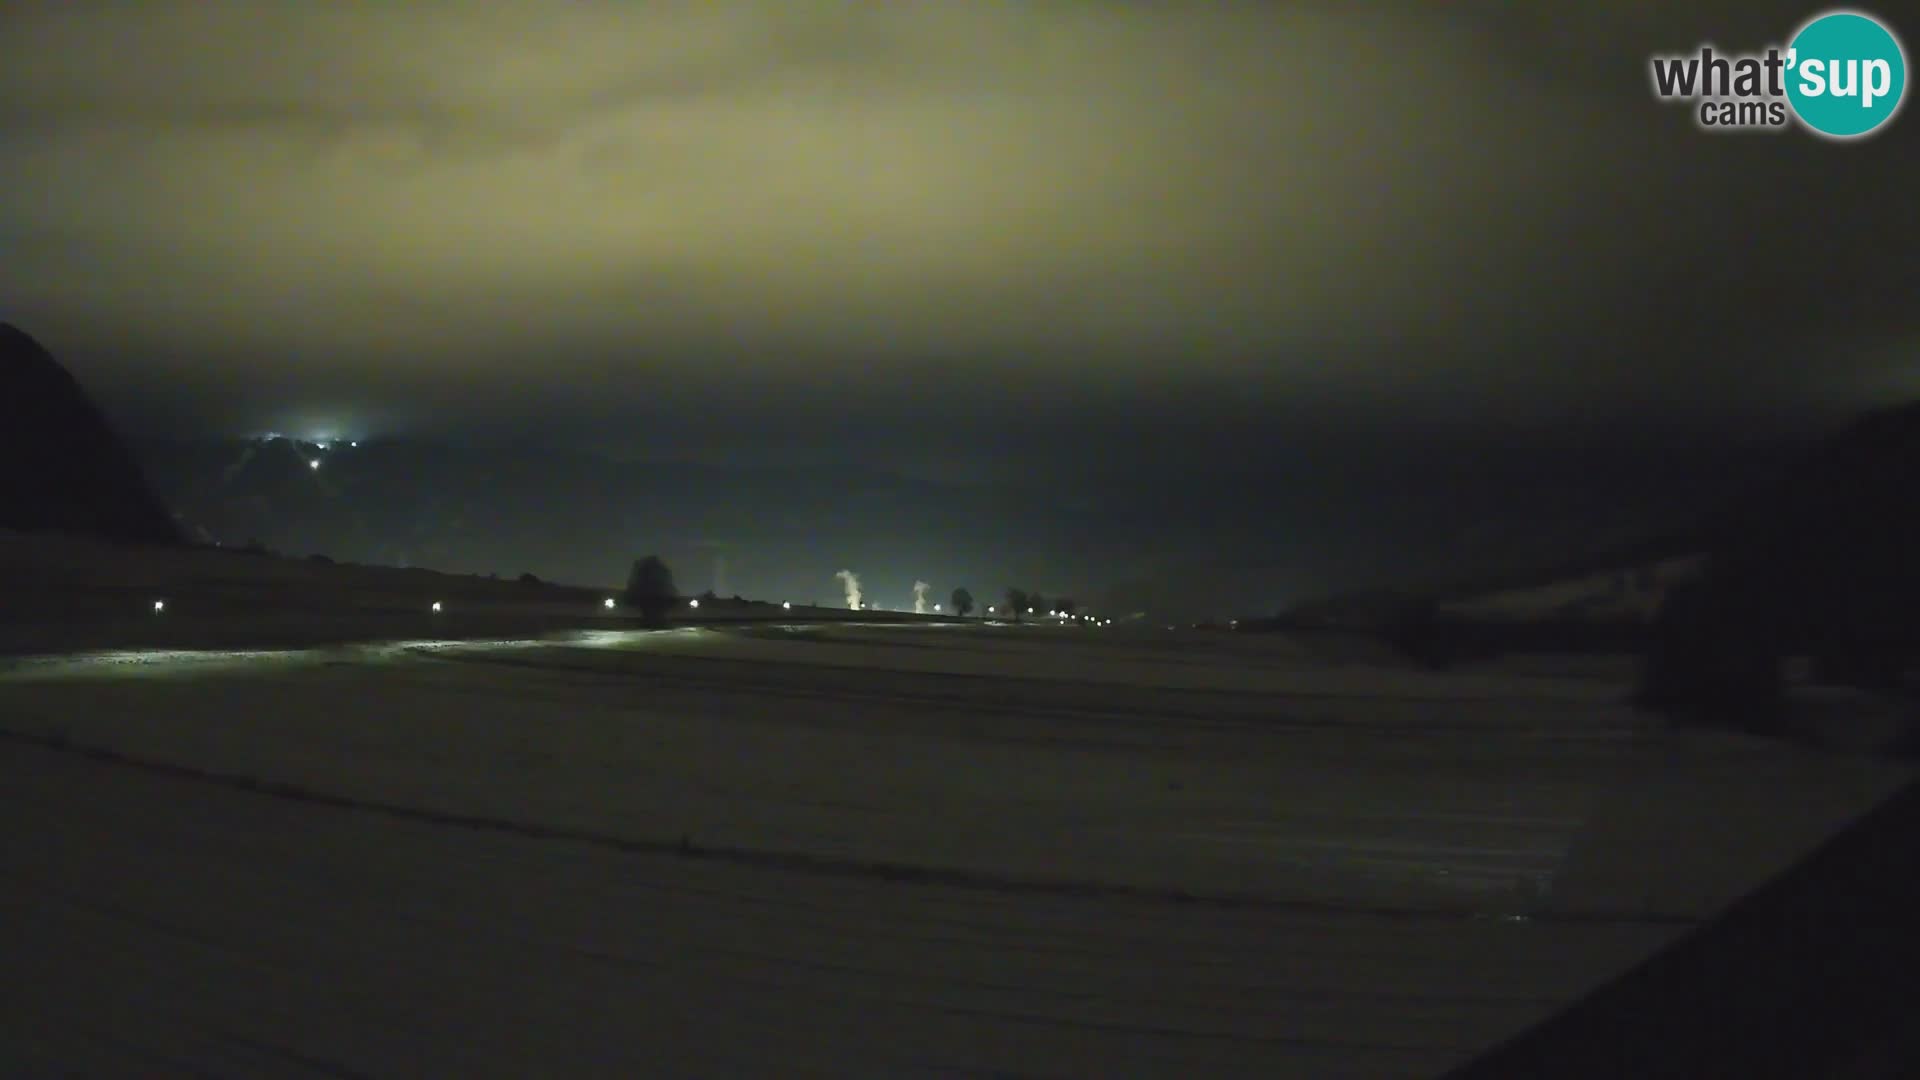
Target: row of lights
{"x": 609, "y": 604}
{"x": 160, "y": 606}
{"x": 991, "y": 609}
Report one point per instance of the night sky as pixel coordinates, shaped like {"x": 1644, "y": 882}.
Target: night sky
{"x": 968, "y": 241}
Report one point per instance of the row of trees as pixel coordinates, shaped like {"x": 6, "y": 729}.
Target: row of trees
{"x": 1019, "y": 602}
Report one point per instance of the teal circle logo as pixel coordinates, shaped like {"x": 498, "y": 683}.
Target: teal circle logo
{"x": 1846, "y": 74}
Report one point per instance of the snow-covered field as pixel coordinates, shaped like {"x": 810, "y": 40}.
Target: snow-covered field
{"x": 851, "y": 850}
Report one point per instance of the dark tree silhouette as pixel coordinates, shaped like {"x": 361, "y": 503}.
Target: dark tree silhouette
{"x": 962, "y": 602}
{"x": 1017, "y": 602}
{"x": 650, "y": 589}
{"x": 1714, "y": 657}
{"x": 1037, "y": 602}
{"x": 1068, "y": 605}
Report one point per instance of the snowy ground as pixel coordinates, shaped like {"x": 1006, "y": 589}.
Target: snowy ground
{"x": 866, "y": 850}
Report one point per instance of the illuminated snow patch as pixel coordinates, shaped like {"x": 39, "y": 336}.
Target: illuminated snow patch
{"x": 149, "y": 662}
{"x": 619, "y": 639}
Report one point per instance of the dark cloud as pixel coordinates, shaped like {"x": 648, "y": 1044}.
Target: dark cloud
{"x": 960, "y": 228}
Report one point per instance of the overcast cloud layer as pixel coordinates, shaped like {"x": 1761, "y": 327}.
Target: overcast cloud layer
{"x": 556, "y": 216}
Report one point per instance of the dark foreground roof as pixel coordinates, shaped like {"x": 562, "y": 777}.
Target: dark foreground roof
{"x": 1817, "y": 974}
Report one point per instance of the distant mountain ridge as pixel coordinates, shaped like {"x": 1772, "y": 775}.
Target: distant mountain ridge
{"x": 1804, "y": 515}
{"x": 571, "y": 515}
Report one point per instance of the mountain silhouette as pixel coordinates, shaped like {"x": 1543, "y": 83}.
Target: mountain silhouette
{"x": 64, "y": 469}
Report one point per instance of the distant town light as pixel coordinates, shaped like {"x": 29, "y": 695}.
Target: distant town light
{"x": 159, "y": 606}
{"x": 989, "y": 609}
{"x": 608, "y": 603}
{"x": 936, "y": 607}
{"x": 314, "y": 464}
{"x": 353, "y": 444}
{"x": 1029, "y": 611}
{"x": 693, "y": 603}
{"x": 436, "y": 605}
{"x": 786, "y": 605}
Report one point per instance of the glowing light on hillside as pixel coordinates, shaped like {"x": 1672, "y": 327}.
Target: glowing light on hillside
{"x": 693, "y": 603}
{"x": 314, "y": 464}
{"x": 608, "y": 603}
{"x": 436, "y": 607}
{"x": 786, "y": 605}
{"x": 159, "y": 606}
{"x": 936, "y": 607}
